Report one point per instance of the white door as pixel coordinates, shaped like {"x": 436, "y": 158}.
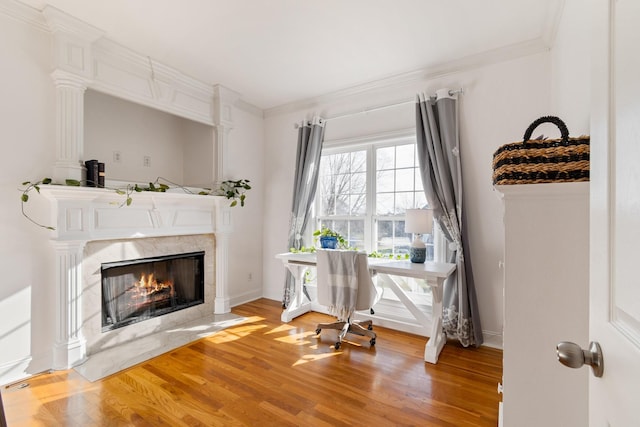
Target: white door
{"x": 614, "y": 399}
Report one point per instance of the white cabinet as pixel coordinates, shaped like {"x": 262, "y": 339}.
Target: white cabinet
{"x": 546, "y": 300}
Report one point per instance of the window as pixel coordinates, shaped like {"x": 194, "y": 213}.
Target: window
{"x": 364, "y": 191}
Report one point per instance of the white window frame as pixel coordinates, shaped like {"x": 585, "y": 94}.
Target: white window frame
{"x": 369, "y": 144}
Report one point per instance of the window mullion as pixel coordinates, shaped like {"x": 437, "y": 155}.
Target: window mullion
{"x": 370, "y": 223}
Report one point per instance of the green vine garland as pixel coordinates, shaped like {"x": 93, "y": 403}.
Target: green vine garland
{"x": 233, "y": 190}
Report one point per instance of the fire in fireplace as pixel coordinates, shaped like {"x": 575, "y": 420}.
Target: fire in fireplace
{"x": 136, "y": 290}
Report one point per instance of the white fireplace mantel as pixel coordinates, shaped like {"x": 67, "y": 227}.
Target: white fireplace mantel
{"x": 85, "y": 58}
{"x": 82, "y": 214}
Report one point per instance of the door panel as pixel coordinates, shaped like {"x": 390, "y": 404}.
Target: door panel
{"x": 615, "y": 212}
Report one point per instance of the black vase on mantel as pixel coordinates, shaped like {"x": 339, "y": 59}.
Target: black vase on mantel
{"x": 92, "y": 173}
{"x": 101, "y": 175}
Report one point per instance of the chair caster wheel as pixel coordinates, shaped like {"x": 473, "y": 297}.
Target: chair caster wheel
{"x": 318, "y": 331}
{"x": 370, "y": 327}
{"x": 372, "y": 342}
{"x": 338, "y": 344}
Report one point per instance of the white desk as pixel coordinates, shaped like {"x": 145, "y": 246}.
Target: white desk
{"x": 433, "y": 273}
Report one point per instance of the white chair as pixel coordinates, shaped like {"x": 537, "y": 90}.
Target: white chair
{"x": 344, "y": 286}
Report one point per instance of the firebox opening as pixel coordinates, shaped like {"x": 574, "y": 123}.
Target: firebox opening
{"x": 140, "y": 289}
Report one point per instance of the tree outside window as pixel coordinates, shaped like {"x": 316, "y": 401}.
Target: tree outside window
{"x": 364, "y": 193}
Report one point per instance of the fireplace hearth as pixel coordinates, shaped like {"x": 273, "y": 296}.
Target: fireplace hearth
{"x": 140, "y": 289}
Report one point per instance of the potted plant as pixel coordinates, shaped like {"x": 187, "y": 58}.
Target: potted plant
{"x": 329, "y": 239}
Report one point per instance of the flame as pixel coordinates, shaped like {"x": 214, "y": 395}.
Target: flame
{"x": 148, "y": 285}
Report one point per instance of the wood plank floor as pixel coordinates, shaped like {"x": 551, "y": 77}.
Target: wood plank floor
{"x": 266, "y": 373}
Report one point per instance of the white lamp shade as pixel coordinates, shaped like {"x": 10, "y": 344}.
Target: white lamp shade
{"x": 419, "y": 221}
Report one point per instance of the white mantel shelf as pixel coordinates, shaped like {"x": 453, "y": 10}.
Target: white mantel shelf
{"x": 84, "y": 214}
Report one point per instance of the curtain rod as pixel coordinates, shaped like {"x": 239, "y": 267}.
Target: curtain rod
{"x": 381, "y": 107}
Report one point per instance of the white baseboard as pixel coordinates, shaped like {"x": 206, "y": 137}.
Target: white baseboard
{"x": 14, "y": 371}
{"x": 245, "y": 297}
{"x": 492, "y": 339}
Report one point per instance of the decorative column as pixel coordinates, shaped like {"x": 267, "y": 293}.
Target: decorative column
{"x": 70, "y": 346}
{"x": 224, "y": 227}
{"x": 70, "y": 90}
{"x": 223, "y": 100}
{"x": 73, "y": 72}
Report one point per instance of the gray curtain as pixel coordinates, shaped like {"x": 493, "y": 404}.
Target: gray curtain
{"x": 310, "y": 136}
{"x": 440, "y": 167}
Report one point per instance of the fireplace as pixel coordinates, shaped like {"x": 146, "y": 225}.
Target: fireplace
{"x": 92, "y": 228}
{"x": 140, "y": 289}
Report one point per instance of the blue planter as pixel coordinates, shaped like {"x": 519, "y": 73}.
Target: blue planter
{"x": 327, "y": 242}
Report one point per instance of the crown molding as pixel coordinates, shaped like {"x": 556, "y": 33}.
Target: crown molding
{"x": 494, "y": 56}
{"x": 24, "y": 13}
{"x": 61, "y": 22}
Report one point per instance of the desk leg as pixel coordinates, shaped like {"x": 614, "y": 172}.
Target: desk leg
{"x": 296, "y": 305}
{"x": 437, "y": 338}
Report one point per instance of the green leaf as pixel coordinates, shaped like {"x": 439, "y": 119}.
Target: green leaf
{"x": 25, "y": 197}
{"x": 129, "y": 200}
{"x": 26, "y": 183}
{"x": 37, "y": 188}
{"x": 235, "y": 202}
{"x": 203, "y": 193}
{"x": 46, "y": 181}
{"x": 50, "y": 228}
{"x": 72, "y": 182}
{"x": 120, "y": 192}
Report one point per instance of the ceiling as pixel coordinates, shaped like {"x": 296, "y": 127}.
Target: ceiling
{"x": 274, "y": 52}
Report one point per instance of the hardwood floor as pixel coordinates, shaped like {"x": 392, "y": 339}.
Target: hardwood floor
{"x": 266, "y": 373}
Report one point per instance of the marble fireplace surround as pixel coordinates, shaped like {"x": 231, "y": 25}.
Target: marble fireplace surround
{"x": 98, "y": 252}
{"x": 92, "y": 226}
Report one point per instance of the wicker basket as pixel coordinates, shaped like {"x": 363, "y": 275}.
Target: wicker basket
{"x": 542, "y": 161}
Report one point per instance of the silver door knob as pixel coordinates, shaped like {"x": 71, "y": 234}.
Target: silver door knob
{"x": 571, "y": 355}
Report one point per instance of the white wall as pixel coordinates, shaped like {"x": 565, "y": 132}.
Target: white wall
{"x": 199, "y": 155}
{"x": 135, "y": 131}
{"x": 571, "y": 68}
{"x": 246, "y": 161}
{"x": 499, "y": 102}
{"x": 28, "y": 143}
{"x": 28, "y": 109}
